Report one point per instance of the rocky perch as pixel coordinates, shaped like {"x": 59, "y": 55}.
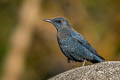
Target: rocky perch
{"x": 102, "y": 71}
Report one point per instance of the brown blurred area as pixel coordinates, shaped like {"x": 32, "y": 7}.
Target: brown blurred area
{"x": 28, "y": 45}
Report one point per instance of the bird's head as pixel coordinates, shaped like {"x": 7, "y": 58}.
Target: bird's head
{"x": 59, "y": 23}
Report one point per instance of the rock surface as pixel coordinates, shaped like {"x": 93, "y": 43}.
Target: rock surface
{"x": 101, "y": 71}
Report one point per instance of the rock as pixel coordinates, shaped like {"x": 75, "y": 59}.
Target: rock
{"x": 102, "y": 71}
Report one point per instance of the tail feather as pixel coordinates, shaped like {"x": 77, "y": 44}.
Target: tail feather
{"x": 97, "y": 59}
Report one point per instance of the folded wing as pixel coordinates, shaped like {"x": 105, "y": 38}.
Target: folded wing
{"x": 84, "y": 43}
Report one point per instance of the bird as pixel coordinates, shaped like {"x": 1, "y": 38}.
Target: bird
{"x": 72, "y": 44}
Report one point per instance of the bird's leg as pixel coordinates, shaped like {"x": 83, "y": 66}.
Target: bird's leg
{"x": 84, "y": 62}
{"x": 83, "y": 69}
{"x": 68, "y": 60}
{"x": 73, "y": 64}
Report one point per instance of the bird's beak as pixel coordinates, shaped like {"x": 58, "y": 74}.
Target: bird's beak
{"x": 47, "y": 20}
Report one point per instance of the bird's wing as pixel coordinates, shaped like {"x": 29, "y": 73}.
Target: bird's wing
{"x": 84, "y": 42}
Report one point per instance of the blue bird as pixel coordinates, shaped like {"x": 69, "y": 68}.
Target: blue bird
{"x": 74, "y": 46}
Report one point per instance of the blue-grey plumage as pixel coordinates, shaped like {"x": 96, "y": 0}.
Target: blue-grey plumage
{"x": 74, "y": 46}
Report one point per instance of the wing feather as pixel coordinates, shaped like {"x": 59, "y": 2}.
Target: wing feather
{"x": 84, "y": 42}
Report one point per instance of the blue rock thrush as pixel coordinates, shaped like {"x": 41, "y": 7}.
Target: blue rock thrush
{"x": 74, "y": 46}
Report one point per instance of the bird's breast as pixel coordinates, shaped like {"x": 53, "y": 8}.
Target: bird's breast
{"x": 66, "y": 42}
{"x": 63, "y": 35}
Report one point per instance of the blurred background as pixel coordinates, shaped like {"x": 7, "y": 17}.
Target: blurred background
{"x": 28, "y": 45}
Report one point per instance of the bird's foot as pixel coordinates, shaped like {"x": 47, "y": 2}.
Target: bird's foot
{"x": 84, "y": 63}
{"x": 68, "y": 60}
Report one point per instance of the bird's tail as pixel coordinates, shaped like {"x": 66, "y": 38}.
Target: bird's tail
{"x": 97, "y": 59}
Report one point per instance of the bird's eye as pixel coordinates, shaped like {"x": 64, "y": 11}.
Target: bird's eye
{"x": 58, "y": 21}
